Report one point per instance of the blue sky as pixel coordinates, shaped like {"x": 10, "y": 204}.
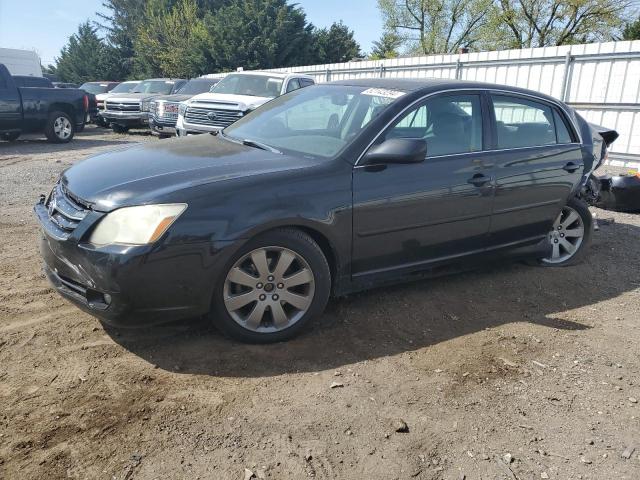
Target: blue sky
{"x": 45, "y": 25}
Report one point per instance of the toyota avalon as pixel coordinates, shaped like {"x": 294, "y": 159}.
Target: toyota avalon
{"x": 324, "y": 191}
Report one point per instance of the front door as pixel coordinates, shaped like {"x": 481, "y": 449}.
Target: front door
{"x": 407, "y": 216}
{"x": 10, "y": 107}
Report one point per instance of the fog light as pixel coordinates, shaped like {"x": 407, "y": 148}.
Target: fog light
{"x": 107, "y": 298}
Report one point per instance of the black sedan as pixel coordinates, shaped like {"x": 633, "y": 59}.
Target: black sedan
{"x": 324, "y": 191}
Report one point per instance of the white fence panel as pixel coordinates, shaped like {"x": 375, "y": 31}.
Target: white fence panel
{"x": 600, "y": 80}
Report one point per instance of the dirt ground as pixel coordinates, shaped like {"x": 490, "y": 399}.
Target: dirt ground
{"x": 511, "y": 372}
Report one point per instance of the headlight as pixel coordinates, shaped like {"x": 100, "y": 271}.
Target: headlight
{"x": 140, "y": 225}
{"x": 182, "y": 109}
{"x": 159, "y": 109}
{"x": 144, "y": 106}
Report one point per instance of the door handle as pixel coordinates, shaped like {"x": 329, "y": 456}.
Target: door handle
{"x": 571, "y": 167}
{"x": 479, "y": 179}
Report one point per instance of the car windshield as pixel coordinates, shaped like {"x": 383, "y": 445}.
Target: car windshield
{"x": 248, "y": 84}
{"x": 154, "y": 86}
{"x": 316, "y": 121}
{"x": 194, "y": 87}
{"x": 95, "y": 88}
{"x": 124, "y": 87}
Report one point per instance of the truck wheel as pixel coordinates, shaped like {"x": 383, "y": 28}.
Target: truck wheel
{"x": 119, "y": 128}
{"x": 59, "y": 128}
{"x": 272, "y": 288}
{"x": 10, "y": 136}
{"x": 571, "y": 235}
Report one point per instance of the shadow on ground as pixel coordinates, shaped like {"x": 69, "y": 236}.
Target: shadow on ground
{"x": 389, "y": 321}
{"x": 91, "y": 137}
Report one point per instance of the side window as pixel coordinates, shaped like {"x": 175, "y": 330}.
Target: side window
{"x": 293, "y": 84}
{"x": 522, "y": 123}
{"x": 562, "y": 131}
{"x": 450, "y": 124}
{"x": 306, "y": 82}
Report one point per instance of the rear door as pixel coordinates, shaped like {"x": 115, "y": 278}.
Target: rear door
{"x": 538, "y": 161}
{"x": 407, "y": 216}
{"x": 10, "y": 104}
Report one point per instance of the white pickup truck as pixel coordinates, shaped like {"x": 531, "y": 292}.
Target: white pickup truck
{"x": 233, "y": 97}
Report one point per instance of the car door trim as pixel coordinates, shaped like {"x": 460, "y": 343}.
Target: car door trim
{"x": 576, "y": 131}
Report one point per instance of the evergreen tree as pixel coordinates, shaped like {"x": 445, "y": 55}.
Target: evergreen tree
{"x": 386, "y": 47}
{"x": 85, "y": 58}
{"x": 632, "y": 31}
{"x": 335, "y": 44}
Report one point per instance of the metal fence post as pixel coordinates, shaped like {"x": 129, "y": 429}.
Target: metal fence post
{"x": 328, "y": 75}
{"x": 382, "y": 70}
{"x": 566, "y": 78}
{"x": 458, "y": 69}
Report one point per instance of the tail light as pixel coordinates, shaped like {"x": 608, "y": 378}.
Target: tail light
{"x": 85, "y": 103}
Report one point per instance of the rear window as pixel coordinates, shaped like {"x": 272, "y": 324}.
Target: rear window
{"x": 523, "y": 123}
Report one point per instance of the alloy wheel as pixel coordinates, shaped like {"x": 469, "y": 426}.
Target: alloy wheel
{"x": 269, "y": 289}
{"x": 62, "y": 128}
{"x": 566, "y": 236}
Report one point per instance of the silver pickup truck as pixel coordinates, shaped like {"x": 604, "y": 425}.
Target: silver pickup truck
{"x": 129, "y": 110}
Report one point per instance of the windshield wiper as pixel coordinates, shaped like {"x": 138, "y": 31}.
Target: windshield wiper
{"x": 262, "y": 146}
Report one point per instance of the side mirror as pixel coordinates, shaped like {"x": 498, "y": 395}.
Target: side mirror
{"x": 397, "y": 150}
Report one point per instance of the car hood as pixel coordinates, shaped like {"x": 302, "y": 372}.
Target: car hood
{"x": 227, "y": 100}
{"x": 123, "y": 97}
{"x": 153, "y": 172}
{"x": 176, "y": 97}
{"x": 102, "y": 96}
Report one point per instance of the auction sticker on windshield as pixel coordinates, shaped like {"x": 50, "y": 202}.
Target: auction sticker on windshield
{"x": 383, "y": 92}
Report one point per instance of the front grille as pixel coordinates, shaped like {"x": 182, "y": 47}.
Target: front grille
{"x": 65, "y": 210}
{"x": 169, "y": 112}
{"x": 122, "y": 106}
{"x": 214, "y": 117}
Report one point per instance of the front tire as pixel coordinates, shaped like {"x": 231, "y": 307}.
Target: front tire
{"x": 59, "y": 128}
{"x": 272, "y": 288}
{"x": 570, "y": 236}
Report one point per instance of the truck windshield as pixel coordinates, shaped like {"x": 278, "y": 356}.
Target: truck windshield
{"x": 194, "y": 87}
{"x": 154, "y": 86}
{"x": 249, "y": 84}
{"x": 124, "y": 87}
{"x": 317, "y": 121}
{"x": 95, "y": 88}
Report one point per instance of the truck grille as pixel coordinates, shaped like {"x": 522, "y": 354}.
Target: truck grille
{"x": 122, "y": 106}
{"x": 214, "y": 117}
{"x": 169, "y": 113}
{"x": 65, "y": 211}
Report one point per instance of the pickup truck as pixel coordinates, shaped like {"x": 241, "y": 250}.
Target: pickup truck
{"x": 58, "y": 112}
{"x": 232, "y": 98}
{"x": 131, "y": 110}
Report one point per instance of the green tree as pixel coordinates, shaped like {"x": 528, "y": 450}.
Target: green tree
{"x": 632, "y": 31}
{"x": 386, "y": 47}
{"x": 172, "y": 41}
{"x": 541, "y": 23}
{"x": 436, "y": 26}
{"x": 85, "y": 58}
{"x": 334, "y": 44}
{"x": 258, "y": 34}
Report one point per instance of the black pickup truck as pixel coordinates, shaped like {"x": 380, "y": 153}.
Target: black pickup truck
{"x": 57, "y": 112}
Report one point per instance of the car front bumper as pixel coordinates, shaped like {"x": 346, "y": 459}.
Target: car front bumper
{"x": 127, "y": 119}
{"x": 160, "y": 127}
{"x": 132, "y": 286}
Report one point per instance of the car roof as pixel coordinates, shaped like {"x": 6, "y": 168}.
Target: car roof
{"x": 273, "y": 74}
{"x": 437, "y": 84}
{"x": 163, "y": 79}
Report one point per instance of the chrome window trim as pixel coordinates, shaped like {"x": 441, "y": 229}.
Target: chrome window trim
{"x": 556, "y": 103}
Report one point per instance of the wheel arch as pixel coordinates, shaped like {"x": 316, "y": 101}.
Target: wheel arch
{"x": 63, "y": 107}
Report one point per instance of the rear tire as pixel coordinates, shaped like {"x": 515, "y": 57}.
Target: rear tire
{"x": 59, "y": 128}
{"x": 571, "y": 235}
{"x": 10, "y": 136}
{"x": 119, "y": 128}
{"x": 293, "y": 269}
